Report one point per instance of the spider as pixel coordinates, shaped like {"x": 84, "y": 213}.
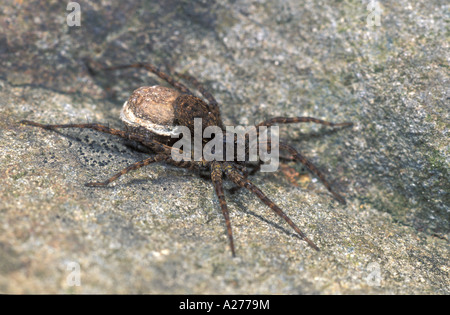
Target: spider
{"x": 151, "y": 112}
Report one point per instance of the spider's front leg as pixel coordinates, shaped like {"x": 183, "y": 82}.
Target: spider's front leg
{"x": 152, "y": 68}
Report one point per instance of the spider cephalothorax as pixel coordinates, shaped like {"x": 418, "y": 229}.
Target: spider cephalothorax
{"x": 152, "y": 115}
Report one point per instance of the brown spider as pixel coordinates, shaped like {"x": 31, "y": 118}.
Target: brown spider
{"x": 151, "y": 112}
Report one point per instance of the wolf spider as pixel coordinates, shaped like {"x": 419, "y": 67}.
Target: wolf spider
{"x": 185, "y": 107}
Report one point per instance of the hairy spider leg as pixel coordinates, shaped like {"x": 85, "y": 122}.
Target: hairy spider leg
{"x": 169, "y": 79}
{"x": 240, "y": 180}
{"x": 132, "y": 167}
{"x": 216, "y": 177}
{"x": 163, "y": 150}
{"x": 212, "y": 101}
{"x": 137, "y": 165}
{"x": 245, "y": 173}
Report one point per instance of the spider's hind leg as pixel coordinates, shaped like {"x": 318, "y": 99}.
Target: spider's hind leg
{"x": 152, "y": 68}
{"x": 241, "y": 181}
{"x": 216, "y": 176}
{"x": 292, "y": 120}
{"x": 132, "y": 167}
{"x": 246, "y": 174}
{"x": 212, "y": 101}
{"x": 152, "y": 144}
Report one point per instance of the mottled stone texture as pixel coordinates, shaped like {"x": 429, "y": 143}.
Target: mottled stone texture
{"x": 160, "y": 229}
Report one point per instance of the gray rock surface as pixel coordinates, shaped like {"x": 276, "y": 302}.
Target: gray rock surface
{"x": 160, "y": 229}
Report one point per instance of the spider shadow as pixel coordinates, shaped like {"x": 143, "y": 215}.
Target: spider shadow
{"x": 121, "y": 148}
{"x": 76, "y": 135}
{"x": 261, "y": 218}
{"x": 314, "y": 135}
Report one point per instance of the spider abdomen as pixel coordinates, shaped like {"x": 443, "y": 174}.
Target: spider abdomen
{"x": 149, "y": 111}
